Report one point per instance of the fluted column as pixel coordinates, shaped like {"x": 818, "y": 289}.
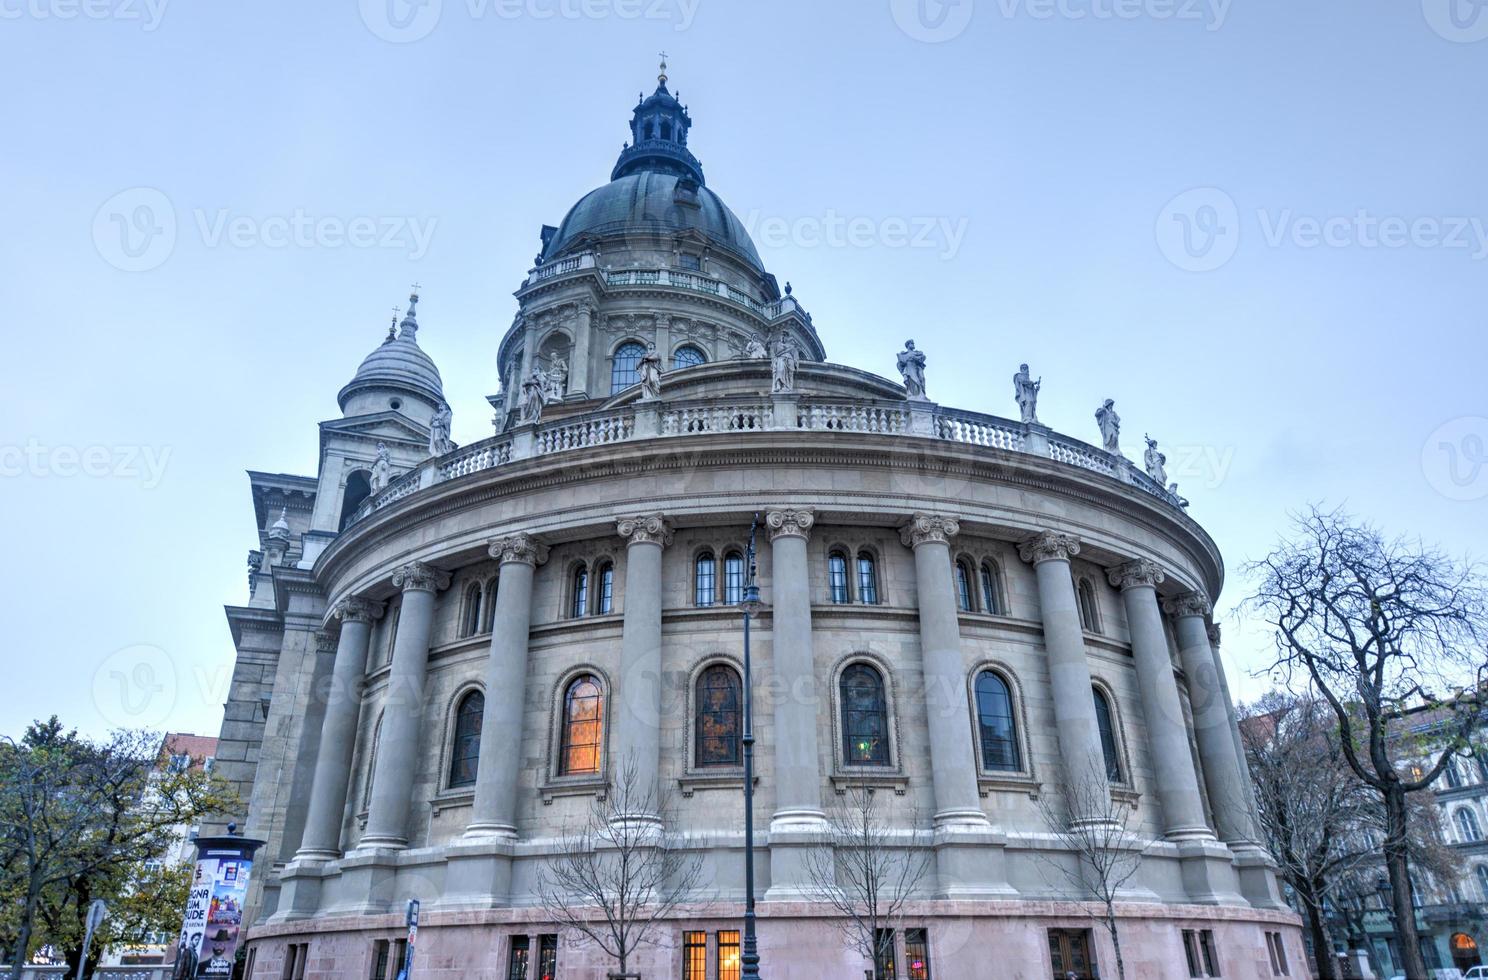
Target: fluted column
{"x": 798, "y": 803}
{"x": 952, "y": 757}
{"x": 399, "y": 743}
{"x": 1069, "y": 672}
{"x": 1167, "y": 732}
{"x": 494, "y": 812}
{"x": 322, "y": 839}
{"x": 1227, "y": 796}
{"x": 638, "y": 698}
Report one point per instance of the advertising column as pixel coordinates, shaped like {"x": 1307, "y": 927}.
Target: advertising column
{"x": 213, "y": 922}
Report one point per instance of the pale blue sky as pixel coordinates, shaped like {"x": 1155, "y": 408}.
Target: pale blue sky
{"x": 1041, "y": 146}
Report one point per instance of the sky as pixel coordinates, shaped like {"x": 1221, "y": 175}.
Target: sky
{"x": 1260, "y": 225}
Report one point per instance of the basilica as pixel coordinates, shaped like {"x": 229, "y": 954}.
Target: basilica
{"x": 452, "y": 653}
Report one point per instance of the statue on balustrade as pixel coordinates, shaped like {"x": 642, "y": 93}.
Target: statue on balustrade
{"x": 557, "y": 377}
{"x": 650, "y": 372}
{"x": 784, "y": 364}
{"x": 439, "y": 431}
{"x": 1110, "y": 426}
{"x": 1156, "y": 462}
{"x": 755, "y": 350}
{"x": 1026, "y": 391}
{"x": 534, "y": 396}
{"x": 912, "y": 368}
{"x": 382, "y": 469}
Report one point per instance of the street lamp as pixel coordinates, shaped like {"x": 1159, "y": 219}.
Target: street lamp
{"x": 751, "y": 606}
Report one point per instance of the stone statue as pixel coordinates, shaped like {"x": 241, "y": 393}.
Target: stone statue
{"x": 1155, "y": 461}
{"x": 557, "y": 377}
{"x": 382, "y": 469}
{"x": 1110, "y": 426}
{"x": 1026, "y": 391}
{"x": 784, "y": 364}
{"x": 912, "y": 367}
{"x": 650, "y": 372}
{"x": 1178, "y": 498}
{"x": 439, "y": 431}
{"x": 755, "y": 350}
{"x": 534, "y": 396}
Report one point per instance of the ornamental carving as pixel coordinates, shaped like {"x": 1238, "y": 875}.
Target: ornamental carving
{"x": 419, "y": 577}
{"x": 520, "y": 549}
{"x": 927, "y": 528}
{"x": 1214, "y": 634}
{"x": 652, "y": 529}
{"x": 1188, "y": 604}
{"x": 325, "y": 642}
{"x": 1139, "y": 573}
{"x": 790, "y": 523}
{"x": 1049, "y": 546}
{"x": 356, "y": 610}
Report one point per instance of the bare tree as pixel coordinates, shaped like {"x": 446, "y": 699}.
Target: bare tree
{"x": 616, "y": 878}
{"x": 1103, "y": 853}
{"x": 1380, "y": 627}
{"x": 865, "y": 873}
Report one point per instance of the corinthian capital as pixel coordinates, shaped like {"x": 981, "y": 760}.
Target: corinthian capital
{"x": 419, "y": 577}
{"x": 356, "y": 610}
{"x": 1048, "y": 546}
{"x": 1136, "y": 574}
{"x": 927, "y": 528}
{"x": 790, "y": 523}
{"x": 1188, "y": 604}
{"x": 519, "y": 548}
{"x": 650, "y": 529}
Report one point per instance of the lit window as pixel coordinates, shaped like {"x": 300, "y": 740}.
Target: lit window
{"x": 865, "y": 717}
{"x": 719, "y": 717}
{"x": 1107, "y": 728}
{"x": 837, "y": 576}
{"x": 916, "y": 954}
{"x": 521, "y": 951}
{"x": 733, "y": 578}
{"x": 694, "y": 956}
{"x": 883, "y": 953}
{"x": 465, "y": 753}
{"x": 687, "y": 357}
{"x": 705, "y": 580}
{"x": 867, "y": 579}
{"x": 728, "y": 965}
{"x": 998, "y": 730}
{"x": 583, "y": 725}
{"x": 547, "y": 956}
{"x": 626, "y": 369}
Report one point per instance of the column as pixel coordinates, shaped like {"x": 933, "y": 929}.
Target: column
{"x": 798, "y": 804}
{"x": 322, "y": 840}
{"x": 636, "y": 702}
{"x": 398, "y": 744}
{"x": 494, "y": 811}
{"x": 578, "y": 371}
{"x": 1241, "y": 760}
{"x": 948, "y": 714}
{"x": 1069, "y": 673}
{"x": 1167, "y": 732}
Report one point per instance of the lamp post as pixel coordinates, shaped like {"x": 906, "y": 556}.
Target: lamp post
{"x": 751, "y": 607}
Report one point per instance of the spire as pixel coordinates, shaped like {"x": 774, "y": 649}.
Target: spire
{"x": 658, "y": 127}
{"x": 392, "y": 328}
{"x": 409, "y": 327}
{"x": 661, "y": 79}
{"x": 280, "y": 530}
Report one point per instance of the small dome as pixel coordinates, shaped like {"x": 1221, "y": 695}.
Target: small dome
{"x": 399, "y": 363}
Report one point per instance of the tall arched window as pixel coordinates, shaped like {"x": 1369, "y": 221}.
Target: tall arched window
{"x": 488, "y": 605}
{"x": 626, "y": 368}
{"x": 1453, "y": 774}
{"x": 1089, "y": 611}
{"x": 867, "y": 579}
{"x": 1482, "y": 872}
{"x": 470, "y": 623}
{"x": 465, "y": 750}
{"x": 996, "y": 725}
{"x": 605, "y": 601}
{"x": 705, "y": 580}
{"x": 733, "y": 578}
{"x": 687, "y": 357}
{"x": 1468, "y": 830}
{"x": 865, "y": 717}
{"x": 837, "y": 576}
{"x": 1107, "y": 725}
{"x": 719, "y": 717}
{"x": 991, "y": 589}
{"x": 358, "y": 489}
{"x": 580, "y": 603}
{"x": 963, "y": 587}
{"x": 583, "y": 726}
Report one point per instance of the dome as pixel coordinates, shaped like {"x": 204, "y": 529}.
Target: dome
{"x": 651, "y": 202}
{"x": 399, "y": 363}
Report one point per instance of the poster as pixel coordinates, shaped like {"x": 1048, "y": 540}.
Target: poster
{"x": 213, "y": 921}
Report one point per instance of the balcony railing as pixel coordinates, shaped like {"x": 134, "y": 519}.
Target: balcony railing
{"x": 694, "y": 282}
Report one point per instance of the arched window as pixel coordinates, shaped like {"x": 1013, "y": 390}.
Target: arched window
{"x": 583, "y": 726}
{"x": 867, "y": 579}
{"x": 470, "y": 623}
{"x": 372, "y": 761}
{"x": 719, "y": 717}
{"x": 733, "y": 578}
{"x": 1089, "y": 611}
{"x": 358, "y": 489}
{"x": 580, "y": 603}
{"x": 394, "y": 614}
{"x": 865, "y": 717}
{"x": 1467, "y": 826}
{"x": 837, "y": 576}
{"x": 626, "y": 368}
{"x": 1482, "y": 872}
{"x": 996, "y": 725}
{"x": 991, "y": 589}
{"x": 605, "y": 601}
{"x": 465, "y": 751}
{"x": 705, "y": 580}
{"x": 488, "y": 605}
{"x": 1453, "y": 774}
{"x": 963, "y": 587}
{"x": 687, "y": 357}
{"x": 1107, "y": 726}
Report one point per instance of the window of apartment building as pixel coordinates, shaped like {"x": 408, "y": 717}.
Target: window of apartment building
{"x": 916, "y": 954}
{"x": 694, "y": 956}
{"x": 517, "y": 959}
{"x": 547, "y": 956}
{"x": 727, "y": 964}
{"x": 1198, "y": 947}
{"x": 1277, "y": 950}
{"x": 883, "y": 953}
